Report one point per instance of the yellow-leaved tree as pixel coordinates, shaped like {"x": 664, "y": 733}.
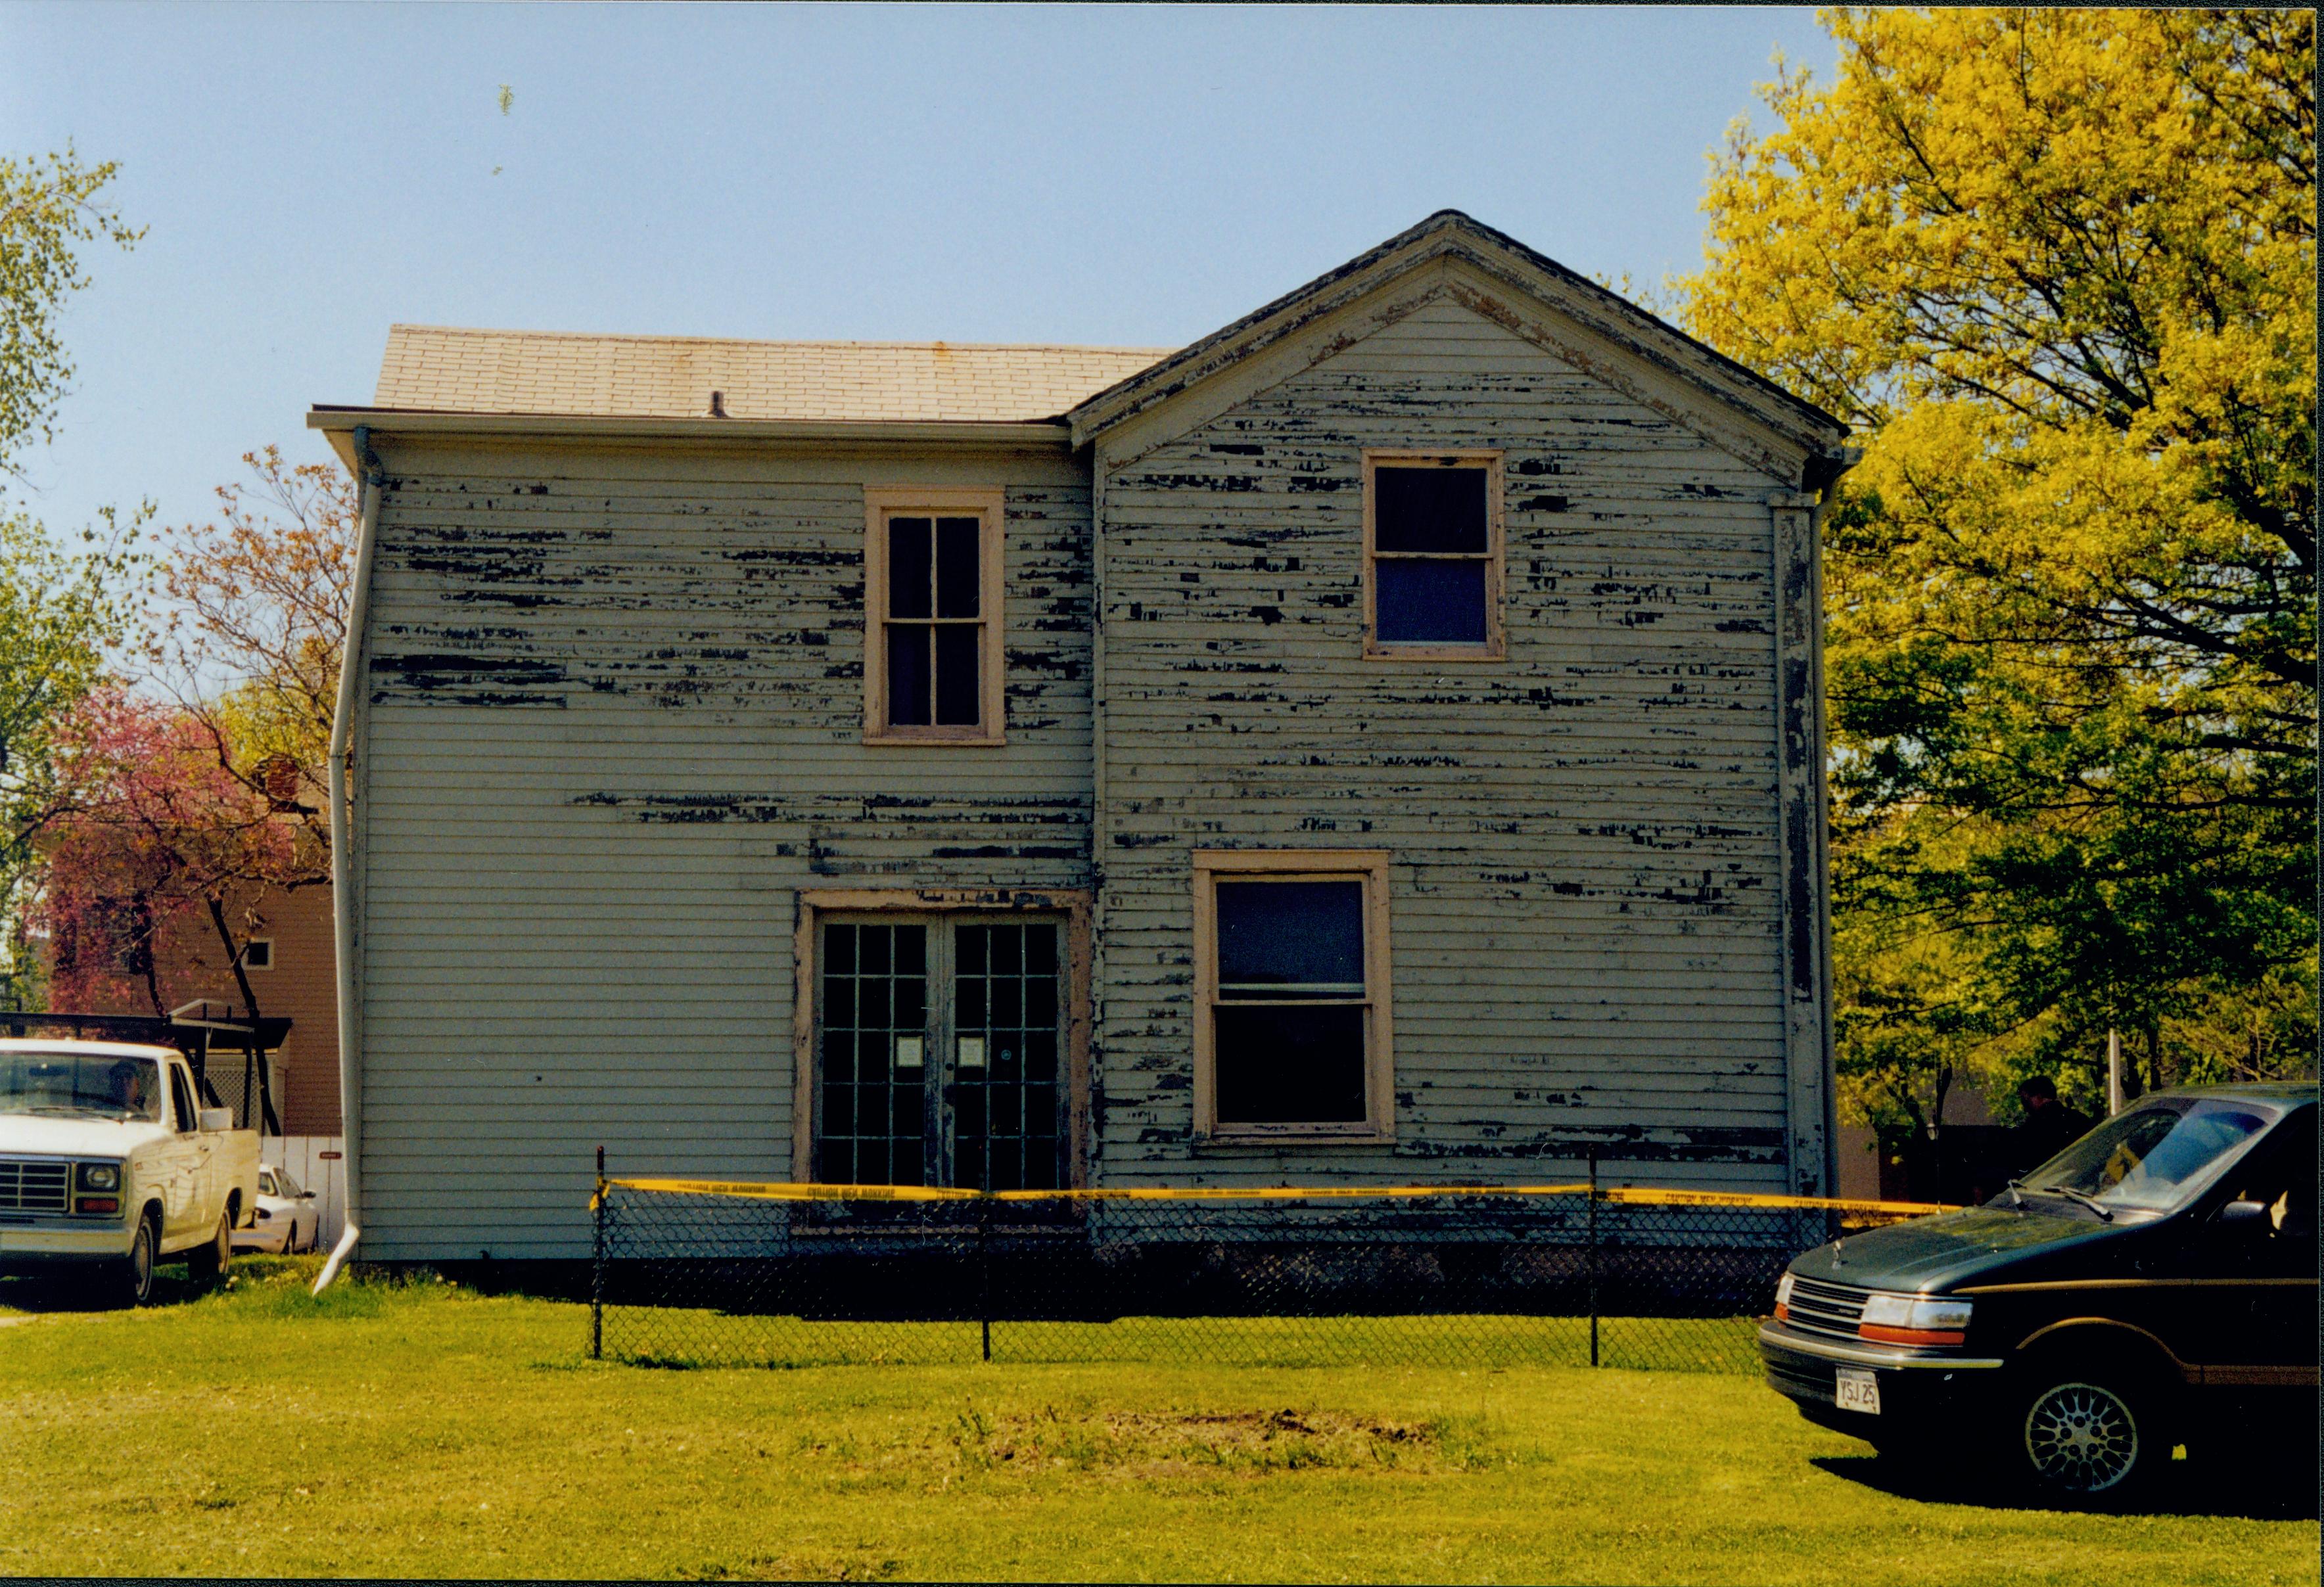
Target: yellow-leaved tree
{"x": 2058, "y": 268}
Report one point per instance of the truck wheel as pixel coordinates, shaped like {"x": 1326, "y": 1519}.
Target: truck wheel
{"x": 206, "y": 1264}
{"x": 129, "y": 1281}
{"x": 2090, "y": 1433}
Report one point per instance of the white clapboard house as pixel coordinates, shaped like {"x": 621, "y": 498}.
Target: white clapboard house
{"x": 1379, "y": 742}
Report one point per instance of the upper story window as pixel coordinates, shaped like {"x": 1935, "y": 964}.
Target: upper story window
{"x": 1432, "y": 556}
{"x": 258, "y": 954}
{"x": 932, "y": 633}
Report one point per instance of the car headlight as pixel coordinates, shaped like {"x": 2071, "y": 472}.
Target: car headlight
{"x": 99, "y": 1176}
{"x": 1913, "y": 1319}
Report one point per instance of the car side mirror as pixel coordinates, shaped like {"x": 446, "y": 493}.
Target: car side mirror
{"x": 216, "y": 1119}
{"x": 2245, "y": 1213}
{"x": 305, "y": 1195}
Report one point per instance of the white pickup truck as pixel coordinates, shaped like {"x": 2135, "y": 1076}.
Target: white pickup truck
{"x": 108, "y": 1164}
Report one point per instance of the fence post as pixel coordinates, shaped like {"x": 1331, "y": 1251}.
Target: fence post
{"x": 1594, "y": 1256}
{"x": 984, "y": 1270}
{"x": 597, "y": 1264}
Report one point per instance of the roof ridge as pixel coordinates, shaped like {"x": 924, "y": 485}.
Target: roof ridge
{"x": 591, "y": 336}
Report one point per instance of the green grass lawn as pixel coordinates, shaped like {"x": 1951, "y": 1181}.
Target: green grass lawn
{"x": 423, "y": 1430}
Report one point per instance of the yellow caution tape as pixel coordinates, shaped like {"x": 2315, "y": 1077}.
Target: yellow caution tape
{"x": 769, "y": 1190}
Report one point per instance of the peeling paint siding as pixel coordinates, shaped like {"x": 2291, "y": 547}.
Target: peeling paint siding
{"x": 616, "y": 707}
{"x": 1586, "y": 889}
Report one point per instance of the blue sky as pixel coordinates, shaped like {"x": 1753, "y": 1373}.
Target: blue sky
{"x": 1135, "y": 176}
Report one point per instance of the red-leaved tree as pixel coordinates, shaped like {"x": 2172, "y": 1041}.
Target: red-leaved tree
{"x": 148, "y": 824}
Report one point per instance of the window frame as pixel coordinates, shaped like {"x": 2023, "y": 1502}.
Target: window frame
{"x": 251, "y": 942}
{"x": 1495, "y": 556}
{"x": 882, "y": 502}
{"x": 1072, "y": 905}
{"x": 1369, "y": 866}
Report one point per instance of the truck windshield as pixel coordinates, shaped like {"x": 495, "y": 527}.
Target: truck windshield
{"x": 2152, "y": 1159}
{"x": 78, "y": 1083}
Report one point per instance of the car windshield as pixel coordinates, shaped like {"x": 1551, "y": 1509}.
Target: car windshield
{"x": 81, "y": 1085}
{"x": 2152, "y": 1159}
{"x": 284, "y": 1185}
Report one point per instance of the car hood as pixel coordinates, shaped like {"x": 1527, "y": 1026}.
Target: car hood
{"x": 38, "y": 1135}
{"x": 1933, "y": 1254}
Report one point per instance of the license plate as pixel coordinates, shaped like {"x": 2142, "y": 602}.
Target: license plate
{"x": 1856, "y": 1391}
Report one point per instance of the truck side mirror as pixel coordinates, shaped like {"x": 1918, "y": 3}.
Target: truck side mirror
{"x": 216, "y": 1119}
{"x": 2245, "y": 1213}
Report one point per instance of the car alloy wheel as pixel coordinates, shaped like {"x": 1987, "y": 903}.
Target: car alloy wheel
{"x": 2081, "y": 1437}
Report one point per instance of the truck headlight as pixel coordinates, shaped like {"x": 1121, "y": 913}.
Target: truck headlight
{"x": 99, "y": 1176}
{"x": 1913, "y": 1319}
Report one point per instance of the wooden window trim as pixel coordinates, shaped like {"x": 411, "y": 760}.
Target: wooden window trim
{"x": 1369, "y": 866}
{"x": 1496, "y": 559}
{"x": 1073, "y": 903}
{"x": 880, "y": 503}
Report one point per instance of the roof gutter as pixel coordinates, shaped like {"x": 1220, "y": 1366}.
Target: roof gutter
{"x": 369, "y": 477}
{"x": 340, "y": 424}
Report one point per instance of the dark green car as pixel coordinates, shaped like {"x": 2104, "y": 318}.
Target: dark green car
{"x": 2154, "y": 1283}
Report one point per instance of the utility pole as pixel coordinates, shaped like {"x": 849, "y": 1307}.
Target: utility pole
{"x": 2114, "y": 1073}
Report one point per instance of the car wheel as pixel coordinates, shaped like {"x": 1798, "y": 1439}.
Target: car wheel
{"x": 2090, "y": 1435}
{"x": 206, "y": 1264}
{"x": 129, "y": 1282}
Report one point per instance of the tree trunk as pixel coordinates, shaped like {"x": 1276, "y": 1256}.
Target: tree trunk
{"x": 233, "y": 958}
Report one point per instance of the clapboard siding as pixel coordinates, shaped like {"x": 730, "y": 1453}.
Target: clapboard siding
{"x": 614, "y": 724}
{"x": 1586, "y": 901}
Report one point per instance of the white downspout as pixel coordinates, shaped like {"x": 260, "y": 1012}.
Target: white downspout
{"x": 368, "y": 477}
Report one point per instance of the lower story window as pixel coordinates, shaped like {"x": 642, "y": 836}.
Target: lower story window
{"x": 941, "y": 1052}
{"x": 1292, "y": 1028}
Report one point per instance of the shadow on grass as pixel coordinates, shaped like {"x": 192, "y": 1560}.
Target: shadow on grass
{"x": 2283, "y": 1491}
{"x": 52, "y": 1293}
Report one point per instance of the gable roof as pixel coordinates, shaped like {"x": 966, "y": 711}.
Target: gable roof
{"x": 1638, "y": 348}
{"x": 441, "y": 369}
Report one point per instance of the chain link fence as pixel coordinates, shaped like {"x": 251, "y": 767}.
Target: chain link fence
{"x": 689, "y": 1273}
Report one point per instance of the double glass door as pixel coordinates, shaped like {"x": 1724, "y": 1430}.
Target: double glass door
{"x": 940, "y": 1052}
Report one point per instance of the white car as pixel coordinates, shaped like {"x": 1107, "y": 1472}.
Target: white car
{"x": 287, "y": 1218}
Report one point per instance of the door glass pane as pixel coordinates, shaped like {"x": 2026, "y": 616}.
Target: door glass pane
{"x": 872, "y": 1127}
{"x": 1005, "y": 1123}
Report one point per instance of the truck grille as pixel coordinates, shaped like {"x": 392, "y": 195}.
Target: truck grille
{"x": 1818, "y": 1307}
{"x": 32, "y": 1187}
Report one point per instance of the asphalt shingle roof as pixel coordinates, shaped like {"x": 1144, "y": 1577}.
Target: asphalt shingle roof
{"x": 441, "y": 369}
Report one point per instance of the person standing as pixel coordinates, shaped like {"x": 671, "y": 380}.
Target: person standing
{"x": 2050, "y": 1126}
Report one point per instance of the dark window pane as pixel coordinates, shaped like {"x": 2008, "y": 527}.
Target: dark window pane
{"x": 958, "y": 701}
{"x": 912, "y": 950}
{"x": 1040, "y": 1001}
{"x": 839, "y": 1057}
{"x": 839, "y": 1110}
{"x": 1007, "y": 946}
{"x": 1040, "y": 1055}
{"x": 1041, "y": 1111}
{"x": 1290, "y": 934}
{"x": 1277, "y": 1064}
{"x": 910, "y": 556}
{"x": 1041, "y": 947}
{"x": 906, "y": 1119}
{"x": 875, "y": 948}
{"x": 871, "y": 1162}
{"x": 958, "y": 567}
{"x": 1008, "y": 1004}
{"x": 971, "y": 949}
{"x": 1008, "y": 1166}
{"x": 1429, "y": 602}
{"x": 838, "y": 1165}
{"x": 968, "y": 1164}
{"x": 1428, "y": 510}
{"x": 968, "y": 1002}
{"x": 839, "y": 950}
{"x": 968, "y": 1113}
{"x": 908, "y": 675}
